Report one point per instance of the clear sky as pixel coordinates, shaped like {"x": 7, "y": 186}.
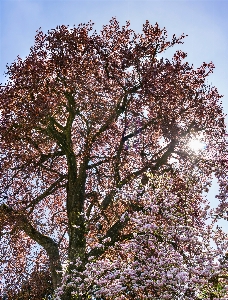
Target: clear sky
{"x": 205, "y": 22}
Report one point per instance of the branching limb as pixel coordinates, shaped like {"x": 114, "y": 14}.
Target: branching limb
{"x": 46, "y": 242}
{"x": 49, "y": 191}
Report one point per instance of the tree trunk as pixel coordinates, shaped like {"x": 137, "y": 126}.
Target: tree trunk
{"x": 76, "y": 222}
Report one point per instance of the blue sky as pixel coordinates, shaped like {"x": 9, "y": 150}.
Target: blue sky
{"x": 204, "y": 21}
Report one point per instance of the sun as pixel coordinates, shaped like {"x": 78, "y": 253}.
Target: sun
{"x": 196, "y": 144}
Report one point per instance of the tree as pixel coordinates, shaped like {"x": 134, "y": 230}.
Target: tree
{"x": 98, "y": 182}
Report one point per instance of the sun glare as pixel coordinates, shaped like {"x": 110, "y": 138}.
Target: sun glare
{"x": 196, "y": 144}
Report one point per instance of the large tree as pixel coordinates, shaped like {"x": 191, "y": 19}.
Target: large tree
{"x": 99, "y": 184}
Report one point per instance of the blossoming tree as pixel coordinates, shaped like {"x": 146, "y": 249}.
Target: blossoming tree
{"x": 99, "y": 184}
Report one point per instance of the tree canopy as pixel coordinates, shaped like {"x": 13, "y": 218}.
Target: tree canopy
{"x": 100, "y": 189}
